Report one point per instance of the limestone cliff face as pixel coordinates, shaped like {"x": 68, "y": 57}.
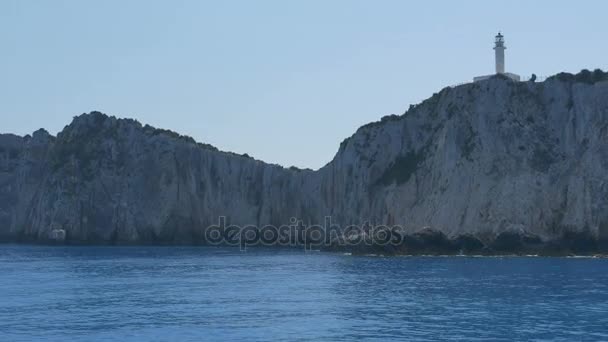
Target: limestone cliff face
{"x": 109, "y": 180}
{"x": 479, "y": 159}
{"x": 484, "y": 158}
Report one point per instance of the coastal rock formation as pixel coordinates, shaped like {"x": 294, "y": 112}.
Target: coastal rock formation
{"x": 495, "y": 166}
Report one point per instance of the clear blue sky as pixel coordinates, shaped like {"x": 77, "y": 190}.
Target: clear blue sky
{"x": 284, "y": 81}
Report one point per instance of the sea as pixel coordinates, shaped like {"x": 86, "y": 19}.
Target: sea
{"x": 55, "y": 293}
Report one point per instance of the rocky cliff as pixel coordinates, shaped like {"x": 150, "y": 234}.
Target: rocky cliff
{"x": 489, "y": 166}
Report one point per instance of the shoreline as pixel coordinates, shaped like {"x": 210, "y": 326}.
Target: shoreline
{"x": 335, "y": 251}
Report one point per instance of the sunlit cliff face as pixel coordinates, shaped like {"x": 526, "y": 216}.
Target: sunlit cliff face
{"x": 482, "y": 159}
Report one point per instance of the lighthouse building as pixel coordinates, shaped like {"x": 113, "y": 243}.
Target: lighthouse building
{"x": 499, "y": 54}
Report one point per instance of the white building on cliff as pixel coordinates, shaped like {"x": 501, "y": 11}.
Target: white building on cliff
{"x": 499, "y": 52}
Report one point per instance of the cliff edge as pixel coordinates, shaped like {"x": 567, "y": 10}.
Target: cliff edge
{"x": 493, "y": 166}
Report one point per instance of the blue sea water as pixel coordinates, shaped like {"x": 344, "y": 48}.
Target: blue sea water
{"x": 206, "y": 294}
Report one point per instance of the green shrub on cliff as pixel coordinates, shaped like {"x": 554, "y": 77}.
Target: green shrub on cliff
{"x": 585, "y": 76}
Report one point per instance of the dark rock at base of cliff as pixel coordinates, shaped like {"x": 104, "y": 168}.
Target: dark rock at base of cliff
{"x": 516, "y": 243}
{"x": 425, "y": 242}
{"x": 428, "y": 241}
{"x": 434, "y": 242}
{"x": 469, "y": 244}
{"x": 580, "y": 242}
{"x": 576, "y": 243}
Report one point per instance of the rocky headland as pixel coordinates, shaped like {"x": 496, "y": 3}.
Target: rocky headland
{"x": 492, "y": 167}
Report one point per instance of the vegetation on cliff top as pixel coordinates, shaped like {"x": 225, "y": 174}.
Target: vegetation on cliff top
{"x": 585, "y": 76}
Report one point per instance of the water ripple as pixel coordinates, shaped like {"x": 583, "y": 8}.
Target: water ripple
{"x": 189, "y": 294}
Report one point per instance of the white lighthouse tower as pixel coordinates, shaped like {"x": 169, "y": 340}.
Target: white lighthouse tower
{"x": 499, "y": 49}
{"x": 499, "y": 54}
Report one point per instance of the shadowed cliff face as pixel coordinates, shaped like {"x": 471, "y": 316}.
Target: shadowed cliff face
{"x": 495, "y": 164}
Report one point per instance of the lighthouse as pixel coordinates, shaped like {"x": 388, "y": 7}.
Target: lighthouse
{"x": 499, "y": 51}
{"x": 499, "y": 60}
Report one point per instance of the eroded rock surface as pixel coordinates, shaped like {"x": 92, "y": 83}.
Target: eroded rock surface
{"x": 494, "y": 166}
